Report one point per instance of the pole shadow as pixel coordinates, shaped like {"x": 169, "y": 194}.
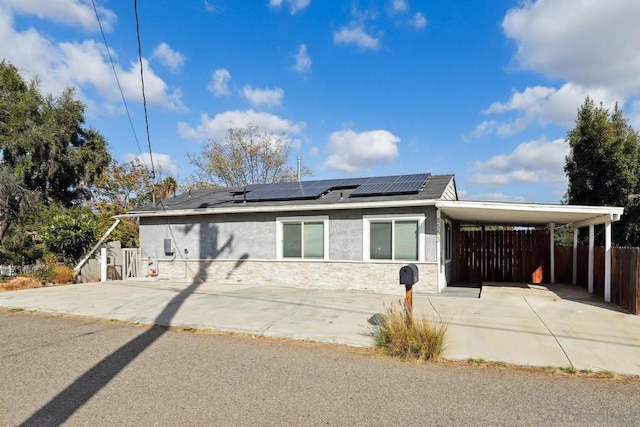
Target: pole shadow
{"x": 73, "y": 397}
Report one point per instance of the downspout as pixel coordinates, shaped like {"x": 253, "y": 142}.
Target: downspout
{"x": 102, "y": 239}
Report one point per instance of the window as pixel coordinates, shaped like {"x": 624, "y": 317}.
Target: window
{"x": 396, "y": 238}
{"x": 300, "y": 237}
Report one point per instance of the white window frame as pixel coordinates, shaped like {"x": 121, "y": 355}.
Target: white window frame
{"x": 301, "y": 220}
{"x": 366, "y": 237}
{"x": 448, "y": 241}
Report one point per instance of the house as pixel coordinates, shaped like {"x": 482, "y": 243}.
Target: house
{"x": 351, "y": 233}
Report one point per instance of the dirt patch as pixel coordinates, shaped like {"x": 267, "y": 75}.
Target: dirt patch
{"x": 19, "y": 283}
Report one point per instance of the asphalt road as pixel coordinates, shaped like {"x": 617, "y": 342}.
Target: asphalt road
{"x": 57, "y": 370}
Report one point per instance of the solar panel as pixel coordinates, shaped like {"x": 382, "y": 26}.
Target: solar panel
{"x": 380, "y": 185}
{"x": 386, "y": 185}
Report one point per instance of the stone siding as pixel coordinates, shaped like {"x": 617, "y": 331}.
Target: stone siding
{"x": 378, "y": 276}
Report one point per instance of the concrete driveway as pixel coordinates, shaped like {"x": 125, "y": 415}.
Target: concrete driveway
{"x": 559, "y": 325}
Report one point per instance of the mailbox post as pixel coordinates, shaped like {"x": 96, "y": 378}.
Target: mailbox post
{"x": 408, "y": 278}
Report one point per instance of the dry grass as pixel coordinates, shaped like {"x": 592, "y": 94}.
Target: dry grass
{"x": 418, "y": 339}
{"x": 61, "y": 275}
{"x": 20, "y": 283}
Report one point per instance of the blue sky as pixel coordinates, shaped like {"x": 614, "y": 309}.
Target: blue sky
{"x": 484, "y": 90}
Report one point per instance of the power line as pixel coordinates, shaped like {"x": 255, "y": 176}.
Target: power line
{"x": 144, "y": 98}
{"x": 115, "y": 73}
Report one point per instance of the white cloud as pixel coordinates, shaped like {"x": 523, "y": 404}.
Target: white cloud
{"x": 295, "y": 6}
{"x": 483, "y": 128}
{"x": 163, "y": 163}
{"x": 490, "y": 197}
{"x": 169, "y": 57}
{"x": 590, "y": 46}
{"x": 589, "y": 43}
{"x": 530, "y": 162}
{"x": 356, "y": 35}
{"x": 69, "y": 12}
{"x": 157, "y": 92}
{"x": 216, "y": 127}
{"x": 355, "y": 151}
{"x": 399, "y": 6}
{"x": 80, "y": 64}
{"x": 540, "y": 105}
{"x": 220, "y": 82}
{"x": 303, "y": 60}
{"x": 418, "y": 21}
{"x": 263, "y": 96}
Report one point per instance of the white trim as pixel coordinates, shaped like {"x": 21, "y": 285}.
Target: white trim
{"x": 440, "y": 275}
{"x": 607, "y": 262}
{"x": 591, "y": 251}
{"x": 366, "y": 238}
{"x": 302, "y": 219}
{"x": 243, "y": 208}
{"x": 574, "y": 276}
{"x": 528, "y": 213}
{"x": 552, "y": 252}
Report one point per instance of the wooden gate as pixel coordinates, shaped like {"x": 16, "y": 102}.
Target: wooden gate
{"x": 131, "y": 263}
{"x": 502, "y": 256}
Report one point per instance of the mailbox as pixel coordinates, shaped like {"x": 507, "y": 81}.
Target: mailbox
{"x": 409, "y": 274}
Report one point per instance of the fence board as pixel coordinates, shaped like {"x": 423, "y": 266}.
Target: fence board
{"x": 503, "y": 255}
{"x": 625, "y": 273}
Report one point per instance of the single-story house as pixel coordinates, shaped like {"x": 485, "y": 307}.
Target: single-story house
{"x": 351, "y": 233}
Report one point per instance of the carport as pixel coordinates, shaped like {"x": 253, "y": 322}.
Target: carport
{"x": 549, "y": 217}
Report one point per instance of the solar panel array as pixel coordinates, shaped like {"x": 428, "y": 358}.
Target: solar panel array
{"x": 295, "y": 190}
{"x": 387, "y": 185}
{"x": 383, "y": 185}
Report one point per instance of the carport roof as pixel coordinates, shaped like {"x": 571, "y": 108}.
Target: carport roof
{"x": 523, "y": 214}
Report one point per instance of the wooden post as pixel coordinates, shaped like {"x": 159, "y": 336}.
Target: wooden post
{"x": 408, "y": 302}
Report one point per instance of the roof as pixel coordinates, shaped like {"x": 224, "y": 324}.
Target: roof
{"x": 232, "y": 200}
{"x": 527, "y": 214}
{"x": 437, "y": 190}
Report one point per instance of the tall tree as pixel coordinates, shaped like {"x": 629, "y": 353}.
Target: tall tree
{"x": 47, "y": 151}
{"x": 603, "y": 166}
{"x": 248, "y": 155}
{"x": 122, "y": 187}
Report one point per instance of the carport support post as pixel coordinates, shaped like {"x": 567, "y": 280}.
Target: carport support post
{"x": 408, "y": 302}
{"x": 590, "y": 275}
{"x": 574, "y": 279}
{"x": 607, "y": 262}
{"x": 552, "y": 255}
{"x": 103, "y": 264}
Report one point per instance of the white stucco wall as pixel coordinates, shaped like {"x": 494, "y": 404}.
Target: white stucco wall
{"x": 242, "y": 247}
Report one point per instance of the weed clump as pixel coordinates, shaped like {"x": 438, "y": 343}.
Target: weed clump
{"x": 410, "y": 339}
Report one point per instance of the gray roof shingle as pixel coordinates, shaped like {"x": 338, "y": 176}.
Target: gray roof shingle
{"x": 214, "y": 197}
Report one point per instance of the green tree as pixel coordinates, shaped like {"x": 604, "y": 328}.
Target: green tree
{"x": 245, "y": 156}
{"x": 47, "y": 151}
{"x": 603, "y": 166}
{"x": 121, "y": 188}
{"x": 68, "y": 232}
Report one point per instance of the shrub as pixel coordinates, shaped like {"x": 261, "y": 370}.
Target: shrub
{"x": 418, "y": 339}
{"x": 61, "y": 275}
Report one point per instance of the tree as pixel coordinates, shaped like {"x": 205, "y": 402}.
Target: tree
{"x": 603, "y": 166}
{"x": 245, "y": 156}
{"x": 69, "y": 232}
{"x": 123, "y": 187}
{"x": 47, "y": 152}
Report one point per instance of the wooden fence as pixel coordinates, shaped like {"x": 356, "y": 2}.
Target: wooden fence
{"x": 625, "y": 273}
{"x": 502, "y": 256}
